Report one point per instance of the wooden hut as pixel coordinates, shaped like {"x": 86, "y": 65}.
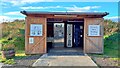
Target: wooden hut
{"x": 45, "y": 31}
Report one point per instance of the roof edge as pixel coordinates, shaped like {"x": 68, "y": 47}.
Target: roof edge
{"x": 65, "y": 13}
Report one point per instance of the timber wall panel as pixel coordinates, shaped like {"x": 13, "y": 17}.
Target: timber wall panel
{"x": 39, "y": 45}
{"x": 93, "y": 44}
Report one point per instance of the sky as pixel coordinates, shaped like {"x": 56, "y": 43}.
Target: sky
{"x": 10, "y": 9}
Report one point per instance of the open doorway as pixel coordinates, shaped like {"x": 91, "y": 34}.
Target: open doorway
{"x": 65, "y": 36}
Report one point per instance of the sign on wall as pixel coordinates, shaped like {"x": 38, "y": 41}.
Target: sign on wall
{"x": 94, "y": 30}
{"x": 36, "y": 30}
{"x": 31, "y": 40}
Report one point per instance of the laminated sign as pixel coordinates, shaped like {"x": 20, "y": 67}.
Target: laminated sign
{"x": 94, "y": 30}
{"x": 36, "y": 30}
{"x": 31, "y": 40}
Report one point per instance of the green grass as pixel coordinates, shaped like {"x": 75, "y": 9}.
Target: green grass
{"x": 110, "y": 52}
{"x": 111, "y": 45}
{"x": 9, "y": 61}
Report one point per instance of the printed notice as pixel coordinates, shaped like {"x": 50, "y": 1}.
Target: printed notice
{"x": 94, "y": 30}
{"x": 36, "y": 30}
{"x": 31, "y": 40}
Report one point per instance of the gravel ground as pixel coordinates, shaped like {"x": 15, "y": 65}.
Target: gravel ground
{"x": 106, "y": 61}
{"x": 27, "y": 61}
{"x": 24, "y": 62}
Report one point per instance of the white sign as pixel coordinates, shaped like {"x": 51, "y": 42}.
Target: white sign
{"x": 31, "y": 40}
{"x": 94, "y": 30}
{"x": 36, "y": 30}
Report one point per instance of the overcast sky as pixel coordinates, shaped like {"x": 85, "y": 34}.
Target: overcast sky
{"x": 10, "y": 9}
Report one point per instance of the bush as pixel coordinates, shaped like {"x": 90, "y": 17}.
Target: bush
{"x": 7, "y": 45}
{"x": 110, "y": 27}
{"x": 20, "y": 43}
{"x": 14, "y": 32}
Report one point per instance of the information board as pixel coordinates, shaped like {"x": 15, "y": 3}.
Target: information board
{"x": 36, "y": 30}
{"x": 94, "y": 30}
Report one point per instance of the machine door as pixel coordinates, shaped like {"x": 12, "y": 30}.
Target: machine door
{"x": 58, "y": 35}
{"x": 78, "y": 35}
{"x": 69, "y": 35}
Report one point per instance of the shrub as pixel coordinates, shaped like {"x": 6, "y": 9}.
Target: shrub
{"x": 7, "y": 45}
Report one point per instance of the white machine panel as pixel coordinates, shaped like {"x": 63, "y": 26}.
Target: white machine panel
{"x": 69, "y": 35}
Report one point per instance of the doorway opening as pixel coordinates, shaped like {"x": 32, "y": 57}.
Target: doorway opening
{"x": 64, "y": 35}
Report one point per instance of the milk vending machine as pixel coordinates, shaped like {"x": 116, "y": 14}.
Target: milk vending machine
{"x": 69, "y": 35}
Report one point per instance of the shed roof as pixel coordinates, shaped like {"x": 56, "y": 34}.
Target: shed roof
{"x": 65, "y": 13}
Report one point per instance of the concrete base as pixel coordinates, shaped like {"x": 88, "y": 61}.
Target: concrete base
{"x": 47, "y": 60}
{"x": 1, "y": 64}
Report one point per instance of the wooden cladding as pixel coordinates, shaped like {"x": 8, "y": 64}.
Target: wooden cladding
{"x": 93, "y": 44}
{"x": 39, "y": 45}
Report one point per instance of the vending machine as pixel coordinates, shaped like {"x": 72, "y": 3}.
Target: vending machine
{"x": 58, "y": 35}
{"x": 69, "y": 35}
